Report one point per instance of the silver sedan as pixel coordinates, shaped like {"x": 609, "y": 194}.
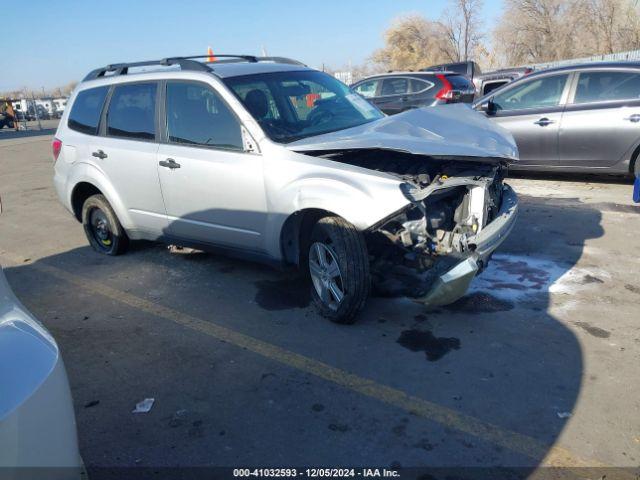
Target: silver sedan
{"x": 583, "y": 118}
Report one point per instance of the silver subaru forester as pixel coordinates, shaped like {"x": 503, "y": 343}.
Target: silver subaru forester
{"x": 266, "y": 158}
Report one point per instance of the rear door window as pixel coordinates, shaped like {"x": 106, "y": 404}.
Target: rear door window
{"x": 86, "y": 110}
{"x": 607, "y": 87}
{"x": 132, "y": 112}
{"x": 395, "y": 86}
{"x": 196, "y": 115}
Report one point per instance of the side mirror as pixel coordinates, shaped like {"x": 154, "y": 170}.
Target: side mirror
{"x": 488, "y": 107}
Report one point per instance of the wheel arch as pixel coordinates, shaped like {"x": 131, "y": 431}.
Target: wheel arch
{"x": 84, "y": 180}
{"x": 296, "y": 232}
{"x": 82, "y": 191}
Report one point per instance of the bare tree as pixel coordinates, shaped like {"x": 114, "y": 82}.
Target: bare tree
{"x": 606, "y": 26}
{"x": 532, "y": 31}
{"x": 68, "y": 88}
{"x": 462, "y": 26}
{"x": 411, "y": 43}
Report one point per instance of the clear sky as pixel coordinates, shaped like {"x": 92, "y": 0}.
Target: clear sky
{"x": 51, "y": 42}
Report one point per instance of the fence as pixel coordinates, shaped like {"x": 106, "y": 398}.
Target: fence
{"x": 613, "y": 57}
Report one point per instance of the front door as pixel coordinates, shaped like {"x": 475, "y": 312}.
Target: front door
{"x": 213, "y": 189}
{"x": 602, "y": 121}
{"x": 532, "y": 112}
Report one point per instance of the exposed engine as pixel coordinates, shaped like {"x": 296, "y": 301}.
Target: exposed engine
{"x": 452, "y": 200}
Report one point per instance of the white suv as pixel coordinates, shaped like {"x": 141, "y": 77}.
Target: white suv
{"x": 264, "y": 157}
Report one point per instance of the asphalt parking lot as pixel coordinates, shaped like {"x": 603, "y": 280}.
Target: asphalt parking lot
{"x": 538, "y": 365}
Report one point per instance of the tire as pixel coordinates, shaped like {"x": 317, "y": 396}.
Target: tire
{"x": 102, "y": 228}
{"x": 341, "y": 245}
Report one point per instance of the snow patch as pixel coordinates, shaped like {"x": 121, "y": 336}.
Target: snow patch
{"x": 513, "y": 277}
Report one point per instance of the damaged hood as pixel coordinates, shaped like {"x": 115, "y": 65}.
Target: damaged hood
{"x": 443, "y": 131}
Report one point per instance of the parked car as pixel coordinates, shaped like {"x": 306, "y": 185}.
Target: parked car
{"x": 581, "y": 118}
{"x": 490, "y": 81}
{"x": 400, "y": 91}
{"x": 272, "y": 160}
{"x": 469, "y": 69}
{"x": 37, "y": 421}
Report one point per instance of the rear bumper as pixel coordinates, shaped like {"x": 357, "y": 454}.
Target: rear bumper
{"x": 37, "y": 422}
{"x": 454, "y": 283}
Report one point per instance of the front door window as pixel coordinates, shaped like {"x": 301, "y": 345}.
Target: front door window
{"x": 535, "y": 93}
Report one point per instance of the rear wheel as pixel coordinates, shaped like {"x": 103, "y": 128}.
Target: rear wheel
{"x": 339, "y": 268}
{"x": 102, "y": 228}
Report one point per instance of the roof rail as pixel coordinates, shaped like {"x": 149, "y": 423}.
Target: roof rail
{"x": 186, "y": 63}
{"x": 123, "y": 68}
{"x": 247, "y": 58}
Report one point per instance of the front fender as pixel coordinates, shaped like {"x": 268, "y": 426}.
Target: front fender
{"x": 362, "y": 202}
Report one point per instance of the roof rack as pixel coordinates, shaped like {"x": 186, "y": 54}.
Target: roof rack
{"x": 186, "y": 63}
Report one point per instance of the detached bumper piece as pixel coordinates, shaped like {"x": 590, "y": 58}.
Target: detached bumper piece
{"x": 455, "y": 282}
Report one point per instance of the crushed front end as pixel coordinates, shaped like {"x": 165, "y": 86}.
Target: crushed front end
{"x": 459, "y": 213}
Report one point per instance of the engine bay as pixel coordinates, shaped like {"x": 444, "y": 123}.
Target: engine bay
{"x": 452, "y": 200}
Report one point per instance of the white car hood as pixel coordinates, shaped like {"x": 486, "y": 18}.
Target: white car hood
{"x": 443, "y": 131}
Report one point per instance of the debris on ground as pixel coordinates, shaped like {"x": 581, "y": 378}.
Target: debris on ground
{"x": 144, "y": 406}
{"x": 177, "y": 419}
{"x": 92, "y": 403}
{"x": 563, "y": 414}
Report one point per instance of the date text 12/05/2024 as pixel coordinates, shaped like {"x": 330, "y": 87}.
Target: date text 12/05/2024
{"x": 316, "y": 472}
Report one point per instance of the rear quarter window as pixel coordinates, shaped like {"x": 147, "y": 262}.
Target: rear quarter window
{"x": 86, "y": 110}
{"x": 458, "y": 82}
{"x": 420, "y": 85}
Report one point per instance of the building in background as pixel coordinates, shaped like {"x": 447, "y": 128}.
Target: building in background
{"x": 345, "y": 77}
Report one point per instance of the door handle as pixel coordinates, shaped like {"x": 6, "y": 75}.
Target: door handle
{"x": 100, "y": 154}
{"x": 635, "y": 118}
{"x": 543, "y": 122}
{"x": 169, "y": 163}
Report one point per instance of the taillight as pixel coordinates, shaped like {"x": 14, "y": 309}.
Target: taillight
{"x": 446, "y": 92}
{"x": 56, "y": 146}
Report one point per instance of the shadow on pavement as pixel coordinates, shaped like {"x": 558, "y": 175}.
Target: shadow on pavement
{"x": 497, "y": 356}
{"x": 574, "y": 177}
{"x": 10, "y": 134}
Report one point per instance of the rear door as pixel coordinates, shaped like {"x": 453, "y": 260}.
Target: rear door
{"x": 213, "y": 189}
{"x": 394, "y": 95}
{"x": 126, "y": 152}
{"x": 532, "y": 110}
{"x": 601, "y": 122}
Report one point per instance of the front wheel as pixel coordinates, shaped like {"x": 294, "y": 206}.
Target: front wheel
{"x": 339, "y": 268}
{"x": 102, "y": 228}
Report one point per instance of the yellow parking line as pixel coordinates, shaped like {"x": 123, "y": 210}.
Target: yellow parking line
{"x": 516, "y": 442}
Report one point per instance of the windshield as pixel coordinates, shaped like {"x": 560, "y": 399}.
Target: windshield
{"x": 293, "y": 105}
